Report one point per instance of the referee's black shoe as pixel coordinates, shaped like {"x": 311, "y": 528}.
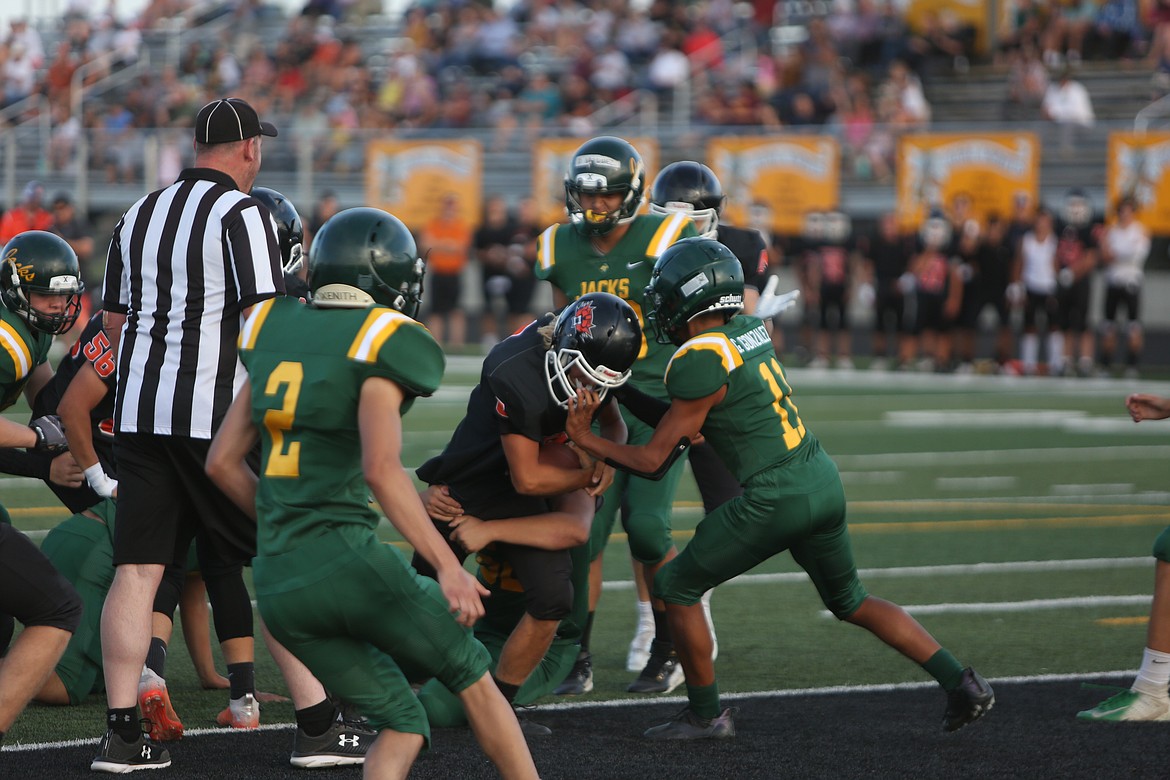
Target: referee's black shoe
{"x": 117, "y": 756}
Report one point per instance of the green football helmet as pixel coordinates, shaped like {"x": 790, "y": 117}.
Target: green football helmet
{"x": 605, "y": 164}
{"x": 693, "y": 276}
{"x": 365, "y": 256}
{"x": 39, "y": 262}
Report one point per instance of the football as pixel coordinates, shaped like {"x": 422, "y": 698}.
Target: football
{"x": 559, "y": 455}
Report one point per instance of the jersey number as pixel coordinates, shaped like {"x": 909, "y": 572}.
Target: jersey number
{"x": 283, "y": 462}
{"x": 790, "y": 423}
{"x": 97, "y": 352}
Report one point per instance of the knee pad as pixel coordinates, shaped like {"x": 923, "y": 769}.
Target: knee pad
{"x": 553, "y": 602}
{"x": 1162, "y": 546}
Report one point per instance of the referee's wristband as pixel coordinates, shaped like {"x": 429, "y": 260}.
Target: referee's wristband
{"x": 99, "y": 482}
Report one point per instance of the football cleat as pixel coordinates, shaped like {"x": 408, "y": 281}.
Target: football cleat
{"x": 155, "y": 704}
{"x": 662, "y": 673}
{"x": 241, "y": 713}
{"x": 688, "y": 725}
{"x": 1129, "y": 705}
{"x": 528, "y": 727}
{"x": 639, "y": 652}
{"x": 579, "y": 680}
{"x": 344, "y": 744}
{"x": 117, "y": 757}
{"x": 969, "y": 702}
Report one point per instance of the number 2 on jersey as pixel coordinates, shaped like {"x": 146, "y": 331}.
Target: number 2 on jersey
{"x": 782, "y": 392}
{"x": 283, "y": 462}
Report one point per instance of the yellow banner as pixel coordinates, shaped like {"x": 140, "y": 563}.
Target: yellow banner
{"x": 1137, "y": 168}
{"x": 788, "y": 176}
{"x": 550, "y": 162}
{"x": 410, "y": 178}
{"x": 990, "y": 168}
{"x": 950, "y": 14}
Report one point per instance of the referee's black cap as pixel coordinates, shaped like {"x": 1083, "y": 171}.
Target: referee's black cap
{"x": 229, "y": 119}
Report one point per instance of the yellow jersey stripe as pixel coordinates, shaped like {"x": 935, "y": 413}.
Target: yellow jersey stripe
{"x": 14, "y": 345}
{"x": 378, "y": 327}
{"x": 545, "y": 248}
{"x": 667, "y": 233}
{"x": 251, "y": 330}
{"x": 712, "y": 342}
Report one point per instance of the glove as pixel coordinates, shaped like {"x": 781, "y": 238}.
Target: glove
{"x": 50, "y": 434}
{"x": 771, "y": 304}
{"x": 100, "y": 482}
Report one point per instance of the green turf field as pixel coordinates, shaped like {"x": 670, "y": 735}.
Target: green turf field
{"x": 1019, "y": 513}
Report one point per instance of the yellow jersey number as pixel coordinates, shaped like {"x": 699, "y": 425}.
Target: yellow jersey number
{"x": 283, "y": 461}
{"x": 793, "y": 428}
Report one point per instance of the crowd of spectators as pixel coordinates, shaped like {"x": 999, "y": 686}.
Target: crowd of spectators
{"x": 851, "y": 67}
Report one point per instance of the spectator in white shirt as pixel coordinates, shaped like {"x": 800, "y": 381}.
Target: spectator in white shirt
{"x": 1124, "y": 249}
{"x": 1067, "y": 102}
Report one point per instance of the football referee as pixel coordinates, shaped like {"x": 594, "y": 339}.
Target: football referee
{"x": 185, "y": 265}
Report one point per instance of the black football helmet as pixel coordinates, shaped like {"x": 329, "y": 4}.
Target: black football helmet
{"x": 364, "y": 256}
{"x": 599, "y": 335}
{"x": 604, "y": 165}
{"x": 39, "y": 262}
{"x": 693, "y": 189}
{"x": 693, "y": 276}
{"x": 290, "y": 233}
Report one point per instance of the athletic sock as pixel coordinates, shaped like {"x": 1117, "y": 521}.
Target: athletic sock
{"x": 645, "y": 614}
{"x": 945, "y": 668}
{"x": 156, "y": 657}
{"x": 587, "y": 633}
{"x": 704, "y": 700}
{"x": 242, "y": 678}
{"x": 508, "y": 689}
{"x": 662, "y": 628}
{"x": 317, "y": 719}
{"x": 123, "y": 721}
{"x": 1154, "y": 676}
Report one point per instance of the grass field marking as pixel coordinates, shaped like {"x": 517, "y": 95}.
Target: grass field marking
{"x": 884, "y": 461}
{"x": 942, "y": 570}
{"x": 1139, "y": 620}
{"x": 1029, "y": 605}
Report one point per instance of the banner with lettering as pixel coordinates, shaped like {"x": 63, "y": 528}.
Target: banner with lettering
{"x": 785, "y": 176}
{"x": 410, "y": 178}
{"x": 1136, "y": 167}
{"x": 990, "y": 168}
{"x": 550, "y": 162}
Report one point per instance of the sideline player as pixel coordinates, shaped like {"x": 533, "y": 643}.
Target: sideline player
{"x": 725, "y": 380}
{"x": 608, "y": 247}
{"x": 327, "y": 386}
{"x": 491, "y": 467}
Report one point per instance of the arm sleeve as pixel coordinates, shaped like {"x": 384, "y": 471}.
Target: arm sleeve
{"x": 646, "y": 408}
{"x": 25, "y": 464}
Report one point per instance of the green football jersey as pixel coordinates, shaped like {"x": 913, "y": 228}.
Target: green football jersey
{"x": 21, "y": 350}
{"x": 307, "y": 367}
{"x": 756, "y": 426}
{"x": 568, "y": 260}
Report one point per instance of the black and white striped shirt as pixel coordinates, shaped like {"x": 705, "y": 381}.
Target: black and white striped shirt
{"x": 183, "y": 264}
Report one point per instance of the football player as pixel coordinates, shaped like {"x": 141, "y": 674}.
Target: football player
{"x": 290, "y": 235}
{"x": 693, "y": 189}
{"x": 608, "y": 247}
{"x": 40, "y": 297}
{"x": 327, "y": 386}
{"x": 724, "y": 379}
{"x": 492, "y": 468}
{"x": 1076, "y": 260}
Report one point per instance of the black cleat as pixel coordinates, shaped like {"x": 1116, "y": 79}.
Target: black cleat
{"x": 688, "y": 725}
{"x": 530, "y": 728}
{"x": 579, "y": 680}
{"x": 662, "y": 673}
{"x": 969, "y": 702}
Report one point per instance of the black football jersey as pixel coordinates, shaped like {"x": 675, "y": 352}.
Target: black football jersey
{"x": 512, "y": 397}
{"x": 94, "y": 348}
{"x": 747, "y": 245}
